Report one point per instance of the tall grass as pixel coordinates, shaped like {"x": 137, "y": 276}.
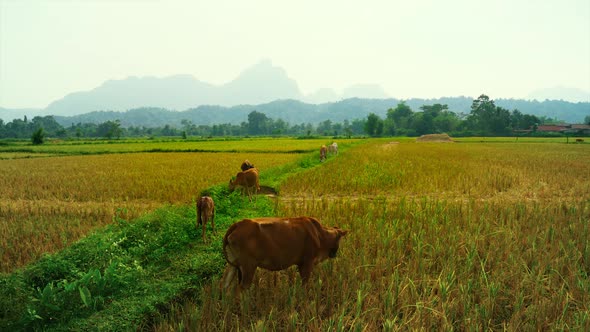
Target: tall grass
{"x": 442, "y": 237}
{"x": 250, "y": 145}
{"x": 453, "y": 171}
{"x": 47, "y": 204}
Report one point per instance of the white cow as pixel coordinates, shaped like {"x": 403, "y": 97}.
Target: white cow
{"x": 333, "y": 148}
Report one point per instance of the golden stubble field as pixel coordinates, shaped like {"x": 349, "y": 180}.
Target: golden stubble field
{"x": 48, "y": 203}
{"x": 466, "y": 236}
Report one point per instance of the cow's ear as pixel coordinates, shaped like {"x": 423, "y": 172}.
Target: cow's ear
{"x": 341, "y": 232}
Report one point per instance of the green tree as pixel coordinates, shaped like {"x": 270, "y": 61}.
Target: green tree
{"x": 50, "y": 126}
{"x": 487, "y": 118}
{"x": 401, "y": 115}
{"x": 324, "y": 128}
{"x": 257, "y": 123}
{"x": 38, "y": 136}
{"x": 446, "y": 121}
{"x": 374, "y": 125}
{"x": 434, "y": 110}
{"x": 109, "y": 129}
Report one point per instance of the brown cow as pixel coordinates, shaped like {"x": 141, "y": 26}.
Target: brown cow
{"x": 246, "y": 165}
{"x": 205, "y": 212}
{"x": 323, "y": 153}
{"x": 275, "y": 244}
{"x": 246, "y": 179}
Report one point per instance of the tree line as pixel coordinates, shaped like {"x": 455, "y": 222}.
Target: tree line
{"x": 484, "y": 119}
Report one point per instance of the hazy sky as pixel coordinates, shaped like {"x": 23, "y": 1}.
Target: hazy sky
{"x": 411, "y": 48}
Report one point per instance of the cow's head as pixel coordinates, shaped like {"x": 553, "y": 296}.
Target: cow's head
{"x": 330, "y": 243}
{"x": 232, "y": 184}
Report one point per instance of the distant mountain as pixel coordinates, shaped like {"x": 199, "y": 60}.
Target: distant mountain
{"x": 560, "y": 93}
{"x": 365, "y": 91}
{"x": 297, "y": 112}
{"x": 261, "y": 83}
{"x": 175, "y": 92}
{"x": 266, "y": 88}
{"x": 372, "y": 91}
{"x": 258, "y": 84}
{"x": 321, "y": 96}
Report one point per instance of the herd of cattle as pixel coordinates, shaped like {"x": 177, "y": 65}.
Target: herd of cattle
{"x": 272, "y": 243}
{"x": 332, "y": 149}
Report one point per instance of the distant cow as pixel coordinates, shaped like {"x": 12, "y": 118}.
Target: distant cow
{"x": 275, "y": 244}
{"x": 205, "y": 212}
{"x": 333, "y": 148}
{"x": 246, "y": 165}
{"x": 248, "y": 180}
{"x": 323, "y": 152}
{"x": 579, "y": 140}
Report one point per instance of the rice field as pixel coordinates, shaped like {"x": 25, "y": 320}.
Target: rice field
{"x": 483, "y": 234}
{"x": 260, "y": 145}
{"x": 48, "y": 203}
{"x": 442, "y": 237}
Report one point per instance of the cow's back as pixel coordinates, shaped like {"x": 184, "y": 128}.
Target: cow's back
{"x": 249, "y": 178}
{"x": 270, "y": 243}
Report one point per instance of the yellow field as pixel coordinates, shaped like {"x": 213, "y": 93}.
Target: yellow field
{"x": 282, "y": 144}
{"x": 48, "y": 203}
{"x": 442, "y": 237}
{"x": 464, "y": 236}
{"x": 510, "y": 171}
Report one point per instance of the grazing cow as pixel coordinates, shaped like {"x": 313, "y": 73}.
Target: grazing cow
{"x": 246, "y": 165}
{"x": 246, "y": 180}
{"x": 333, "y": 148}
{"x": 579, "y": 140}
{"x": 275, "y": 244}
{"x": 323, "y": 152}
{"x": 205, "y": 212}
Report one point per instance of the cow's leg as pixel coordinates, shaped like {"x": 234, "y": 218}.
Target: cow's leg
{"x": 213, "y": 221}
{"x": 228, "y": 276}
{"x": 305, "y": 271}
{"x": 248, "y": 193}
{"x": 204, "y": 229}
{"x": 247, "y": 275}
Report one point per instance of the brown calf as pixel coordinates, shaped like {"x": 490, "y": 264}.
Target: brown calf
{"x": 323, "y": 153}
{"x": 246, "y": 165}
{"x": 205, "y": 212}
{"x": 247, "y": 180}
{"x": 275, "y": 244}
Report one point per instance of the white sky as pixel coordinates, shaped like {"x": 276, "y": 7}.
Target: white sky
{"x": 423, "y": 48}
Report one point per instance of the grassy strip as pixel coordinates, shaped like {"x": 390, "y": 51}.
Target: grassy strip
{"x": 257, "y": 145}
{"x": 124, "y": 275}
{"x": 116, "y": 278}
{"x": 155, "y": 150}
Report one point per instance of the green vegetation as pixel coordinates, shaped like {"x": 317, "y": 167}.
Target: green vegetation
{"x": 485, "y": 118}
{"x": 233, "y": 145}
{"x": 38, "y": 137}
{"x": 442, "y": 237}
{"x": 119, "y": 277}
{"x": 457, "y": 236}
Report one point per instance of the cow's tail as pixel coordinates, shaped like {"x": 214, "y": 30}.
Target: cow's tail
{"x": 225, "y": 254}
{"x": 199, "y": 220}
{"x": 226, "y": 242}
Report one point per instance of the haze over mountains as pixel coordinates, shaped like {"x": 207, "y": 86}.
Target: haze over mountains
{"x": 265, "y": 87}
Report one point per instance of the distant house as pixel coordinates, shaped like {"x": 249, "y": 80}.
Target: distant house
{"x": 581, "y": 129}
{"x": 553, "y": 128}
{"x": 568, "y": 129}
